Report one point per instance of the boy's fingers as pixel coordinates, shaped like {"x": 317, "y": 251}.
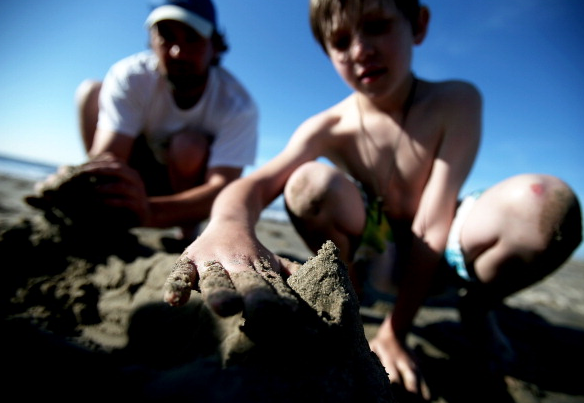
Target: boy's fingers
{"x": 180, "y": 282}
{"x": 287, "y": 267}
{"x": 262, "y": 294}
{"x": 414, "y": 382}
{"x": 425, "y": 390}
{"x": 214, "y": 283}
{"x": 410, "y": 381}
{"x": 257, "y": 294}
{"x": 275, "y": 280}
{"x": 271, "y": 308}
{"x": 218, "y": 290}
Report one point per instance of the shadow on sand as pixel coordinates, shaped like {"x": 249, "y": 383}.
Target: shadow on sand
{"x": 540, "y": 366}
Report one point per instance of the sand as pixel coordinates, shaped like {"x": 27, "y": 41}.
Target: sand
{"x": 84, "y": 320}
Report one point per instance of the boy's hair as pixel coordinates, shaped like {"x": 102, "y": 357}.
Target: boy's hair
{"x": 323, "y": 12}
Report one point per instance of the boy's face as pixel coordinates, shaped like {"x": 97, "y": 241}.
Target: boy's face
{"x": 372, "y": 50}
{"x": 184, "y": 55}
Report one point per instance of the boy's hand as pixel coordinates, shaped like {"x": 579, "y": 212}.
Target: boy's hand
{"x": 234, "y": 272}
{"x": 398, "y": 361}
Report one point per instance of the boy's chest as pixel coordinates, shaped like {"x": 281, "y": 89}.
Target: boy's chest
{"x": 392, "y": 163}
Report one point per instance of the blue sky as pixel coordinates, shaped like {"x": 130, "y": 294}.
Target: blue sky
{"x": 526, "y": 57}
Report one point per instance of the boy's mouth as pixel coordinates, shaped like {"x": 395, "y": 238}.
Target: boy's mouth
{"x": 371, "y": 74}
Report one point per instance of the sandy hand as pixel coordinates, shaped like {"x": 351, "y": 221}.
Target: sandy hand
{"x": 258, "y": 291}
{"x": 215, "y": 285}
{"x": 178, "y": 285}
{"x": 103, "y": 194}
{"x": 218, "y": 290}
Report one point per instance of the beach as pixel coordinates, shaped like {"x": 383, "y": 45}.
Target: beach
{"x": 85, "y": 321}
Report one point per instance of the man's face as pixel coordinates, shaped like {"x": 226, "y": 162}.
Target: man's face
{"x": 185, "y": 56}
{"x": 372, "y": 51}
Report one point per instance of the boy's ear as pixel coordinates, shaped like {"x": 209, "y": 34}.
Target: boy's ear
{"x": 422, "y": 25}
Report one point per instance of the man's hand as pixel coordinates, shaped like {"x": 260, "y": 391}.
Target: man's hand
{"x": 102, "y": 193}
{"x": 118, "y": 185}
{"x": 398, "y": 360}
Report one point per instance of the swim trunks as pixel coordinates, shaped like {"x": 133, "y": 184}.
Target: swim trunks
{"x": 453, "y": 253}
{"x": 377, "y": 234}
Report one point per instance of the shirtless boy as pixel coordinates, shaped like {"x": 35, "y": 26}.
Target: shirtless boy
{"x": 408, "y": 145}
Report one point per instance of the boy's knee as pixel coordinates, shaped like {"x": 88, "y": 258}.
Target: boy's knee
{"x": 563, "y": 215}
{"x": 542, "y": 226}
{"x": 307, "y": 187}
{"x": 557, "y": 208}
{"x": 561, "y": 223}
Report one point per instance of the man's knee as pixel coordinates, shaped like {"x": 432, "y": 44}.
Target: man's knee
{"x": 87, "y": 93}
{"x": 87, "y": 101}
{"x": 189, "y": 151}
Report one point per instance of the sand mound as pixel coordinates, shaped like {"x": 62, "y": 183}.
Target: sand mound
{"x": 93, "y": 318}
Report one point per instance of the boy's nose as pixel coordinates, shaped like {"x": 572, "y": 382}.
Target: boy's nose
{"x": 361, "y": 47}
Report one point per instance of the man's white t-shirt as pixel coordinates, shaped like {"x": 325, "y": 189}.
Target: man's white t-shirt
{"x": 135, "y": 99}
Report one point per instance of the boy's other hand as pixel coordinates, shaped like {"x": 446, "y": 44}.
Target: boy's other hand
{"x": 399, "y": 361}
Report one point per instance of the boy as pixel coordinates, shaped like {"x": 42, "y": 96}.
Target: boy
{"x": 402, "y": 148}
{"x": 169, "y": 124}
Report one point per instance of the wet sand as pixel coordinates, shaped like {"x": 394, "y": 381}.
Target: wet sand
{"x": 76, "y": 316}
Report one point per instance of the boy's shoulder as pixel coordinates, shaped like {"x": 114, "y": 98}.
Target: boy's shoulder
{"x": 448, "y": 100}
{"x": 435, "y": 100}
{"x": 432, "y": 96}
{"x": 444, "y": 92}
{"x": 450, "y": 91}
{"x": 330, "y": 118}
{"x": 318, "y": 133}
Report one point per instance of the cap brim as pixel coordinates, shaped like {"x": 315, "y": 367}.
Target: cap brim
{"x": 176, "y": 13}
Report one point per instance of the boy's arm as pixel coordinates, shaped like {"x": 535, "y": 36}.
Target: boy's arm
{"x": 461, "y": 128}
{"x": 435, "y": 212}
{"x": 229, "y": 240}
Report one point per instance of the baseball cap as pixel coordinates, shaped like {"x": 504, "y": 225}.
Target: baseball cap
{"x": 197, "y": 14}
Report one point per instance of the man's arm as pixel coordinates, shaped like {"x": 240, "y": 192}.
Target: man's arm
{"x": 183, "y": 208}
{"x": 118, "y": 144}
{"x": 192, "y": 205}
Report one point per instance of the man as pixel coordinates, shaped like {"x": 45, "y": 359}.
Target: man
{"x": 169, "y": 124}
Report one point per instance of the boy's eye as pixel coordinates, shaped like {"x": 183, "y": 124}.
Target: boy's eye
{"x": 341, "y": 41}
{"x": 376, "y": 27}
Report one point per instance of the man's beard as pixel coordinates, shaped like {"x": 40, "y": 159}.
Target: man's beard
{"x": 186, "y": 83}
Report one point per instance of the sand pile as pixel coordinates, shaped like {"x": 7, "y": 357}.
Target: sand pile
{"x": 84, "y": 309}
